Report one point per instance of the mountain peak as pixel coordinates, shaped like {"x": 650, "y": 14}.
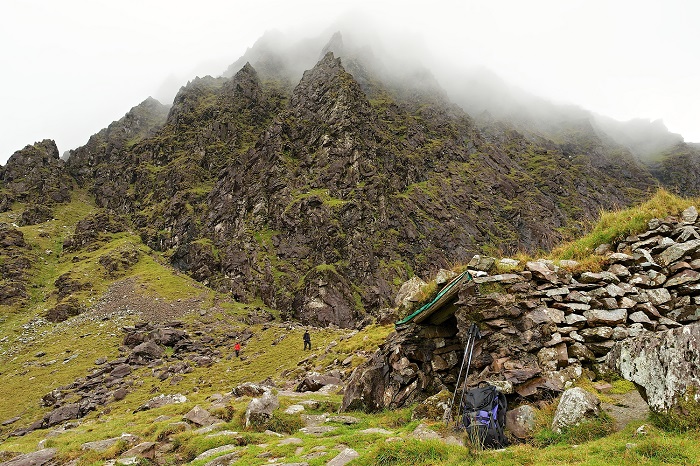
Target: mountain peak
{"x": 335, "y": 44}
{"x": 332, "y": 94}
{"x": 35, "y": 174}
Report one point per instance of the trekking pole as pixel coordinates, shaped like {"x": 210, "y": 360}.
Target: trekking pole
{"x": 474, "y": 330}
{"x": 459, "y": 377}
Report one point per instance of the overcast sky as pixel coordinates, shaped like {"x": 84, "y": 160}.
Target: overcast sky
{"x": 71, "y": 67}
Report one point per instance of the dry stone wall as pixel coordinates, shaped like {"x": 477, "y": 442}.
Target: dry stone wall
{"x": 543, "y": 326}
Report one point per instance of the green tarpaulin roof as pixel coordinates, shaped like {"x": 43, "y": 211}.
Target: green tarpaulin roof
{"x": 443, "y": 298}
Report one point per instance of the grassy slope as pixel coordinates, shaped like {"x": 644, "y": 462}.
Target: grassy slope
{"x": 274, "y": 351}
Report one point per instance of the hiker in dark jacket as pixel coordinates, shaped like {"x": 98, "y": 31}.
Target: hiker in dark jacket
{"x": 307, "y": 340}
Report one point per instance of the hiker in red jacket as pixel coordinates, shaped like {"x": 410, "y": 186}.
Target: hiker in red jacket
{"x": 237, "y": 348}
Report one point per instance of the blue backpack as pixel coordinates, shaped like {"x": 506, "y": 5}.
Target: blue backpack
{"x": 484, "y": 416}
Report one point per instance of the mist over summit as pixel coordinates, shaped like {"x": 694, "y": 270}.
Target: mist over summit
{"x": 318, "y": 173}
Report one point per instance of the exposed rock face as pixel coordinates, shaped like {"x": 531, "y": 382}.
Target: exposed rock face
{"x": 34, "y": 215}
{"x": 542, "y": 325}
{"x": 35, "y": 175}
{"x": 89, "y": 164}
{"x": 663, "y": 365}
{"x": 321, "y": 198}
{"x": 90, "y": 229}
{"x": 679, "y": 169}
{"x": 575, "y": 405}
{"x": 15, "y": 262}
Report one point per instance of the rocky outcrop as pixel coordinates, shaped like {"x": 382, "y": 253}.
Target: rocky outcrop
{"x": 321, "y": 199}
{"x": 678, "y": 168}
{"x": 35, "y": 214}
{"x": 143, "y": 349}
{"x": 35, "y": 175}
{"x": 664, "y": 366}
{"x": 541, "y": 326}
{"x": 404, "y": 369}
{"x": 90, "y": 230}
{"x": 90, "y": 164}
{"x": 15, "y": 263}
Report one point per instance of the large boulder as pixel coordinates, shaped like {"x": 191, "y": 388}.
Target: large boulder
{"x": 201, "y": 417}
{"x": 260, "y": 409}
{"x": 409, "y": 293}
{"x": 314, "y": 382}
{"x": 249, "y": 389}
{"x": 575, "y": 405}
{"x": 520, "y": 422}
{"x": 36, "y": 458}
{"x": 145, "y": 352}
{"x": 663, "y": 365}
{"x": 162, "y": 400}
{"x": 63, "y": 413}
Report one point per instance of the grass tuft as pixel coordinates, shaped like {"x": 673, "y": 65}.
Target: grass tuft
{"x": 416, "y": 453}
{"x": 615, "y": 226}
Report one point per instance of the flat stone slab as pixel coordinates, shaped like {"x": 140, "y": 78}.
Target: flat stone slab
{"x": 317, "y": 430}
{"x": 216, "y": 451}
{"x": 209, "y": 428}
{"x": 291, "y": 441}
{"x": 36, "y": 458}
{"x": 347, "y": 420}
{"x": 224, "y": 432}
{"x": 142, "y": 450}
{"x": 201, "y": 417}
{"x": 10, "y": 421}
{"x": 313, "y": 419}
{"x": 103, "y": 445}
{"x": 163, "y": 400}
{"x": 422, "y": 432}
{"x": 294, "y": 409}
{"x": 344, "y": 457}
{"x": 376, "y": 430}
{"x": 225, "y": 460}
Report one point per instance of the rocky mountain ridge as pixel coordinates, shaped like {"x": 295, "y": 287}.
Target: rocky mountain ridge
{"x": 320, "y": 200}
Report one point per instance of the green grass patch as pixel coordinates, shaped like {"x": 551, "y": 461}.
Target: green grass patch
{"x": 684, "y": 416}
{"x": 585, "y": 431}
{"x": 615, "y": 226}
{"x": 416, "y": 453}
